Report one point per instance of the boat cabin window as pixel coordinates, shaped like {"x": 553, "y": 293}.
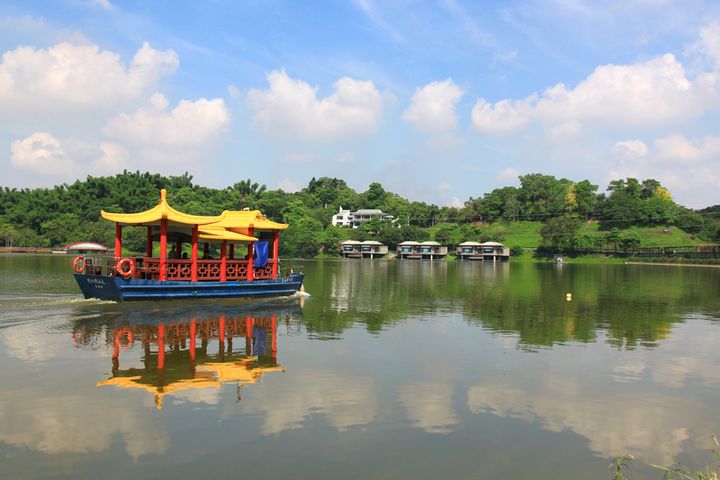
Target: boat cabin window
{"x": 487, "y": 250}
{"x": 467, "y": 250}
{"x": 406, "y": 249}
{"x": 347, "y": 248}
{"x": 426, "y": 250}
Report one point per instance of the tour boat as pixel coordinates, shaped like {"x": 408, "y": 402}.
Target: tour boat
{"x": 168, "y": 277}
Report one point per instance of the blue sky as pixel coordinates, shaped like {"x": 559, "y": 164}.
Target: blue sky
{"x": 438, "y": 101}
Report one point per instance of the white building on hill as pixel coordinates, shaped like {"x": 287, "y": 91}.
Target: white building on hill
{"x": 342, "y": 219}
{"x": 346, "y": 218}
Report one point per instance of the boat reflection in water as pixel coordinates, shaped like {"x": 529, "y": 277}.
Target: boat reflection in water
{"x": 191, "y": 349}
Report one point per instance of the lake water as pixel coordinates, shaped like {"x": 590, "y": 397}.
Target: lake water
{"x": 389, "y": 369}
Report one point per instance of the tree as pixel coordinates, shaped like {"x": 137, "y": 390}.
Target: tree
{"x": 375, "y": 196}
{"x": 442, "y": 235}
{"x": 541, "y": 195}
{"x": 302, "y": 238}
{"x": 586, "y": 198}
{"x": 331, "y": 238}
{"x": 629, "y": 241}
{"x": 560, "y": 233}
{"x": 650, "y": 187}
{"x": 612, "y": 237}
{"x": 246, "y": 193}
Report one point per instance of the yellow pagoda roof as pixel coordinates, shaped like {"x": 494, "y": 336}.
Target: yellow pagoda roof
{"x": 240, "y": 220}
{"x": 207, "y": 375}
{"x": 157, "y": 213}
{"x": 213, "y": 233}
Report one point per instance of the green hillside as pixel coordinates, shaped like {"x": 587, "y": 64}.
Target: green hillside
{"x": 527, "y": 234}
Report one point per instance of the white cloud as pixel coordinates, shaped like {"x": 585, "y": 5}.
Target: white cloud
{"x": 26, "y": 29}
{"x": 289, "y": 186}
{"x": 77, "y": 424}
{"x": 297, "y": 158}
{"x": 678, "y": 148}
{"x": 102, "y": 4}
{"x": 344, "y": 400}
{"x": 168, "y": 136}
{"x": 655, "y": 92}
{"x": 502, "y": 117}
{"x": 708, "y": 45}
{"x": 685, "y": 165}
{"x": 429, "y": 406}
{"x": 233, "y": 91}
{"x": 290, "y": 108}
{"x": 509, "y": 173}
{"x": 344, "y": 158}
{"x": 456, "y": 203}
{"x": 71, "y": 77}
{"x": 433, "y": 107}
{"x": 44, "y": 154}
{"x": 630, "y": 148}
{"x": 443, "y": 186}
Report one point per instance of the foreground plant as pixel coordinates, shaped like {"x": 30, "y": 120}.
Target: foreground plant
{"x": 688, "y": 473}
{"x": 675, "y": 471}
{"x": 618, "y": 465}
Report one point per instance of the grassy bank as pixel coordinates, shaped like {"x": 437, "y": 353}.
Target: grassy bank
{"x": 528, "y": 257}
{"x": 527, "y": 234}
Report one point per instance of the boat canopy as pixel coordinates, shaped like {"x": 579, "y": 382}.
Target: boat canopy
{"x": 211, "y": 374}
{"x": 239, "y": 221}
{"x": 96, "y": 247}
{"x": 351, "y": 242}
{"x": 430, "y": 243}
{"x": 230, "y": 225}
{"x": 160, "y": 211}
{"x": 469, "y": 244}
{"x": 408, "y": 243}
{"x": 371, "y": 242}
{"x": 491, "y": 244}
{"x": 222, "y": 234}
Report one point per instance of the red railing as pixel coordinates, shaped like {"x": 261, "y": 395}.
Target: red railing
{"x": 208, "y": 270}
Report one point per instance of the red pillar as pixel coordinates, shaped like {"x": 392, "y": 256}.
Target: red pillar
{"x": 116, "y": 345}
{"x": 223, "y": 262}
{"x": 276, "y": 251}
{"x": 161, "y": 346}
{"x": 118, "y": 241}
{"x": 194, "y": 255}
{"x": 221, "y": 335}
{"x": 149, "y": 243}
{"x": 193, "y": 334}
{"x": 273, "y": 327}
{"x": 248, "y": 335}
{"x": 250, "y": 271}
{"x": 163, "y": 249}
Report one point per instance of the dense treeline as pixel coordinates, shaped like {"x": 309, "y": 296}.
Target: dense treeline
{"x": 69, "y": 212}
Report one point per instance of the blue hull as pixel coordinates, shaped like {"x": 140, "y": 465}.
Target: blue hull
{"x": 119, "y": 289}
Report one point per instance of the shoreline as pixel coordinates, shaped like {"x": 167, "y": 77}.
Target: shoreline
{"x": 704, "y": 265}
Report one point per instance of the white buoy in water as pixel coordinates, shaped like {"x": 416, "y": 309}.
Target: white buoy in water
{"x": 568, "y": 297}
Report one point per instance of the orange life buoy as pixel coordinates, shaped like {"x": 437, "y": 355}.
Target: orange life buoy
{"x": 79, "y": 264}
{"x": 120, "y": 267}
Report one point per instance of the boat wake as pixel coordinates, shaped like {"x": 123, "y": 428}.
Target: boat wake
{"x": 43, "y": 300}
{"x": 18, "y": 309}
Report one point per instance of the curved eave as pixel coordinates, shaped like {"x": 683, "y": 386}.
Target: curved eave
{"x": 156, "y": 214}
{"x": 240, "y": 221}
{"x": 224, "y": 235}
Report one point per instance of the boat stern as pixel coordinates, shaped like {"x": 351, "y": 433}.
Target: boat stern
{"x": 100, "y": 287}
